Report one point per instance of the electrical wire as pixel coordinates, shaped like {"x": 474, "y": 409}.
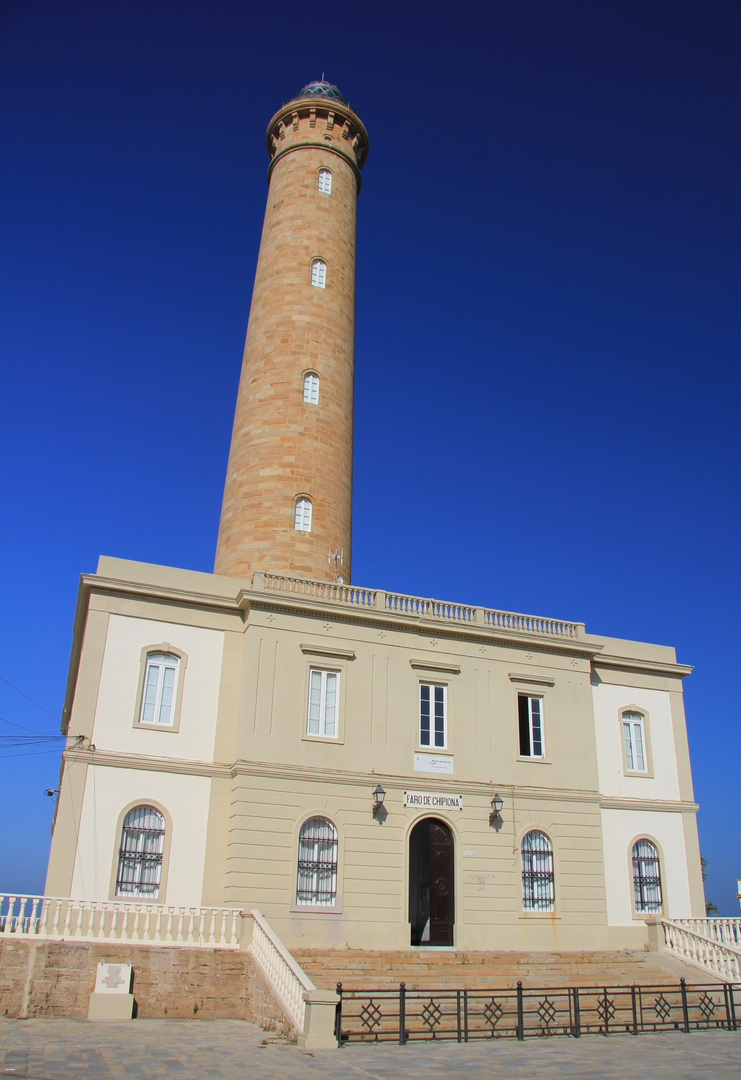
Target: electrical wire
{"x": 28, "y": 698}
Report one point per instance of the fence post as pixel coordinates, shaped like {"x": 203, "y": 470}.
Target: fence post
{"x": 635, "y": 1010}
{"x": 577, "y": 1015}
{"x": 338, "y": 1015}
{"x": 520, "y": 1014}
{"x": 465, "y": 1015}
{"x": 402, "y": 1014}
{"x": 685, "y": 1012}
{"x": 606, "y": 1003}
{"x": 733, "y": 1006}
{"x": 458, "y": 1014}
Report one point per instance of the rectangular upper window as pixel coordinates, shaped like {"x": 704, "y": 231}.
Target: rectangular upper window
{"x": 530, "y": 716}
{"x": 634, "y": 742}
{"x": 433, "y": 715}
{"x": 323, "y": 702}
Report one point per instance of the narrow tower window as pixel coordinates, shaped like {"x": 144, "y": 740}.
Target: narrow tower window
{"x": 324, "y": 181}
{"x": 537, "y": 872}
{"x": 317, "y": 863}
{"x": 140, "y": 854}
{"x": 302, "y": 515}
{"x": 646, "y": 878}
{"x": 160, "y": 684}
{"x": 318, "y": 273}
{"x": 311, "y": 388}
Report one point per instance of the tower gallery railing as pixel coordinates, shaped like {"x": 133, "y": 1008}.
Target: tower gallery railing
{"x": 416, "y": 606}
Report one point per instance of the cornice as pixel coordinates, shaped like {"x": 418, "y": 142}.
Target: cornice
{"x": 114, "y": 759}
{"x": 674, "y": 806}
{"x": 654, "y": 667}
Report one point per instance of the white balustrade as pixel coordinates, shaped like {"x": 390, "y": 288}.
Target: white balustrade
{"x": 711, "y": 944}
{"x": 416, "y": 606}
{"x": 58, "y": 918}
{"x": 287, "y": 980}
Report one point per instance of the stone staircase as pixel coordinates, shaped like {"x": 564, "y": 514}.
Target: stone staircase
{"x": 429, "y": 968}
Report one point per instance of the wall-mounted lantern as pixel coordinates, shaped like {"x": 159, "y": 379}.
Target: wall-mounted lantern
{"x": 378, "y": 796}
{"x": 496, "y": 809}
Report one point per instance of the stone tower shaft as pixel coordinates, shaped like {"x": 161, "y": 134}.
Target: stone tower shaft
{"x": 292, "y": 435}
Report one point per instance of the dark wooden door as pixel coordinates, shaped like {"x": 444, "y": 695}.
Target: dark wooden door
{"x": 442, "y": 900}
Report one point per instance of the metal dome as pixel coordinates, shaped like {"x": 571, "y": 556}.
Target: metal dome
{"x": 321, "y": 89}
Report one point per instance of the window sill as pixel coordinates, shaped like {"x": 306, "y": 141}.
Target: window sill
{"x": 315, "y": 909}
{"x": 172, "y": 728}
{"x": 645, "y": 775}
{"x": 534, "y": 760}
{"x": 323, "y": 739}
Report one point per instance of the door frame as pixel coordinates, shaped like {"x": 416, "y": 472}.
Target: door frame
{"x": 457, "y": 880}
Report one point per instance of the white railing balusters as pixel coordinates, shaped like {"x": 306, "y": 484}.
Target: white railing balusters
{"x": 57, "y": 918}
{"x": 711, "y": 944}
{"x": 280, "y": 969}
{"x": 417, "y": 606}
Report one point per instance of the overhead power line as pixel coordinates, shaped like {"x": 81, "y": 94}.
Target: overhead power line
{"x": 28, "y": 698}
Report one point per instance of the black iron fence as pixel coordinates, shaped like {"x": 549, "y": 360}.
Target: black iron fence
{"x": 403, "y": 1015}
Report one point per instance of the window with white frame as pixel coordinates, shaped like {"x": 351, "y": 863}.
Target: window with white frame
{"x": 646, "y": 878}
{"x": 538, "y": 893}
{"x": 318, "y": 273}
{"x": 324, "y": 181}
{"x": 302, "y": 515}
{"x": 433, "y": 719}
{"x": 317, "y": 863}
{"x": 311, "y": 388}
{"x": 159, "y": 689}
{"x": 324, "y": 689}
{"x": 634, "y": 742}
{"x": 530, "y": 716}
{"x": 140, "y": 854}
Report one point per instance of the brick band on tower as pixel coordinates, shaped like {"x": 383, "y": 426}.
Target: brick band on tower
{"x": 288, "y": 492}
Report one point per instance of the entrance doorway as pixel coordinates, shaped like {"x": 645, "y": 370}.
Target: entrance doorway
{"x": 431, "y": 869}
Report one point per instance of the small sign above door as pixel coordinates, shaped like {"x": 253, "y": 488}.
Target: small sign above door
{"x": 433, "y": 800}
{"x": 440, "y": 763}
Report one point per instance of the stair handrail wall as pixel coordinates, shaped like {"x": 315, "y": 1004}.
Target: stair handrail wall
{"x": 134, "y": 922}
{"x": 286, "y": 978}
{"x": 715, "y": 948}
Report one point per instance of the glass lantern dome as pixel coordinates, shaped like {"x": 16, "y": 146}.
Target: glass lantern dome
{"x": 321, "y": 89}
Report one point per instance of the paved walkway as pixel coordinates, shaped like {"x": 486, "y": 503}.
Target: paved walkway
{"x": 233, "y": 1050}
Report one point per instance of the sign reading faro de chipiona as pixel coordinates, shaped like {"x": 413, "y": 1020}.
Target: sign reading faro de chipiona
{"x": 433, "y": 800}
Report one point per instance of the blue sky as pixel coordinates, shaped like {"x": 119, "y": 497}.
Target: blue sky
{"x": 547, "y": 335}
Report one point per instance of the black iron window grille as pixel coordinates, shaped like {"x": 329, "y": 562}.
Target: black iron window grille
{"x": 646, "y": 877}
{"x": 317, "y": 863}
{"x": 140, "y": 854}
{"x": 538, "y": 892}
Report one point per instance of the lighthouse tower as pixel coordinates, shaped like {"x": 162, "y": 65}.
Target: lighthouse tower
{"x": 288, "y": 495}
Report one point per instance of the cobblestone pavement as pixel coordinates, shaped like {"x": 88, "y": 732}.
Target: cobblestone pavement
{"x": 233, "y": 1050}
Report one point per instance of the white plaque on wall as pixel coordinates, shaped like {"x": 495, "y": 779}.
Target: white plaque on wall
{"x": 438, "y": 763}
{"x": 433, "y": 800}
{"x": 113, "y": 979}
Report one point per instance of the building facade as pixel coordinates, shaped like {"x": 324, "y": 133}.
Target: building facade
{"x": 368, "y": 769}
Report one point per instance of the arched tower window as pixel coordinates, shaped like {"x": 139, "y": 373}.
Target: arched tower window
{"x": 302, "y": 515}
{"x": 140, "y": 854}
{"x": 158, "y": 692}
{"x": 317, "y": 863}
{"x": 537, "y": 872}
{"x": 318, "y": 273}
{"x": 646, "y": 878}
{"x": 311, "y": 388}
{"x": 324, "y": 181}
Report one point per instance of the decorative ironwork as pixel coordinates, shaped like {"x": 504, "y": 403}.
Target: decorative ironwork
{"x": 371, "y": 1016}
{"x": 537, "y": 871}
{"x": 546, "y": 1012}
{"x": 462, "y": 1015}
{"x": 706, "y": 1005}
{"x": 493, "y": 1013}
{"x": 662, "y": 1008}
{"x": 431, "y": 1015}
